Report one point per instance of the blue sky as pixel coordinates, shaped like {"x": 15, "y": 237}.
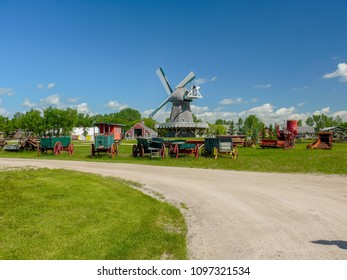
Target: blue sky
{"x": 276, "y": 59}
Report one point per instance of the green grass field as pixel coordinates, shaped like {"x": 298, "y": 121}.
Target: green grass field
{"x": 296, "y": 160}
{"x": 59, "y": 214}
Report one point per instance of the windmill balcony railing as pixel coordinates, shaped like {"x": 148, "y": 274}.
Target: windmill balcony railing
{"x": 182, "y": 125}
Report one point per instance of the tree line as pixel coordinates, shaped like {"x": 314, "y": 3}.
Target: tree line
{"x": 53, "y": 121}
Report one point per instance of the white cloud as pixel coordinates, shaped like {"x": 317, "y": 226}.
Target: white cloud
{"x": 6, "y": 91}
{"x": 200, "y": 81}
{"x": 115, "y": 105}
{"x": 341, "y": 114}
{"x": 42, "y": 86}
{"x": 198, "y": 109}
{"x": 263, "y": 86}
{"x": 301, "y": 104}
{"x": 82, "y": 108}
{"x": 51, "y": 85}
{"x": 27, "y": 103}
{"x": 52, "y": 100}
{"x": 340, "y": 72}
{"x": 229, "y": 101}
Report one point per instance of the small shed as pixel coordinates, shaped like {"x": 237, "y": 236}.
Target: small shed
{"x": 140, "y": 130}
{"x": 338, "y": 132}
{"x": 110, "y": 129}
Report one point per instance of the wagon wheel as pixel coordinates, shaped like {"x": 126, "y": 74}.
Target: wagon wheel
{"x": 70, "y": 149}
{"x": 215, "y": 153}
{"x": 203, "y": 151}
{"x": 235, "y": 153}
{"x": 141, "y": 150}
{"x": 196, "y": 151}
{"x": 112, "y": 150}
{"x": 93, "y": 150}
{"x": 176, "y": 151}
{"x": 38, "y": 149}
{"x": 116, "y": 148}
{"x": 57, "y": 148}
{"x": 135, "y": 152}
{"x": 162, "y": 151}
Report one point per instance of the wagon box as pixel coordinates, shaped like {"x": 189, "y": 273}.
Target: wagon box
{"x": 56, "y": 145}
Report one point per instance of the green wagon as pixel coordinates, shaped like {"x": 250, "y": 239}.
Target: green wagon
{"x": 153, "y": 146}
{"x": 177, "y": 147}
{"x": 216, "y": 146}
{"x": 55, "y": 144}
{"x": 104, "y": 144}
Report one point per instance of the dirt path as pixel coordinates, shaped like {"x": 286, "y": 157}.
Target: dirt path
{"x": 242, "y": 215}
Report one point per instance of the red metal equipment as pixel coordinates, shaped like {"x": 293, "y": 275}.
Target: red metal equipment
{"x": 285, "y": 137}
{"x": 324, "y": 141}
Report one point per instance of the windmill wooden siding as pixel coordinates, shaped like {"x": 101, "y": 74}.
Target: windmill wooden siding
{"x": 140, "y": 130}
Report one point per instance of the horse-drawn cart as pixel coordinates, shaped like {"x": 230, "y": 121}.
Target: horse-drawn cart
{"x": 220, "y": 145}
{"x": 153, "y": 146}
{"x": 107, "y": 138}
{"x": 177, "y": 147}
{"x": 55, "y": 144}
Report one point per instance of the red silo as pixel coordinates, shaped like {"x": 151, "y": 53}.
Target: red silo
{"x": 292, "y": 126}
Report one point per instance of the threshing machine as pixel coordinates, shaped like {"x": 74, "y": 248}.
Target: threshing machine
{"x": 285, "y": 137}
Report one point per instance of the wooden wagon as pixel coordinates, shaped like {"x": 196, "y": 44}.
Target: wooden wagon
{"x": 155, "y": 147}
{"x": 55, "y": 144}
{"x": 106, "y": 139}
{"x": 220, "y": 145}
{"x": 177, "y": 147}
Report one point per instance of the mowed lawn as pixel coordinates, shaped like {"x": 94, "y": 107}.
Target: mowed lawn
{"x": 59, "y": 214}
{"x": 295, "y": 160}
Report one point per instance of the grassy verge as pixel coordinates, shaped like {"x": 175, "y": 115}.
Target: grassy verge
{"x": 296, "y": 160}
{"x": 59, "y": 214}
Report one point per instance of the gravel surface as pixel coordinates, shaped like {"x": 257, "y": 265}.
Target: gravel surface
{"x": 241, "y": 215}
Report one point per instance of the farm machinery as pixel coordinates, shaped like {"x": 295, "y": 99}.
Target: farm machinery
{"x": 107, "y": 139}
{"x": 220, "y": 145}
{"x": 24, "y": 142}
{"x": 284, "y": 138}
{"x": 324, "y": 141}
{"x": 177, "y": 147}
{"x": 154, "y": 146}
{"x": 55, "y": 144}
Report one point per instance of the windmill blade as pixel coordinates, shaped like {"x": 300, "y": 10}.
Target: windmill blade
{"x": 164, "y": 80}
{"x": 160, "y": 106}
{"x": 186, "y": 80}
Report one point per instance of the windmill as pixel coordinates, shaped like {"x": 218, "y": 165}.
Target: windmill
{"x": 180, "y": 98}
{"x": 181, "y": 117}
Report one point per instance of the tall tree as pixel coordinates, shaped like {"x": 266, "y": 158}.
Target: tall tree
{"x": 252, "y": 126}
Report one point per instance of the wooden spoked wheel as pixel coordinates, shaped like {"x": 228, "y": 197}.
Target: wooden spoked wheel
{"x": 215, "y": 153}
{"x": 135, "y": 152}
{"x": 112, "y": 151}
{"x": 162, "y": 151}
{"x": 70, "y": 149}
{"x": 196, "y": 151}
{"x": 203, "y": 151}
{"x": 116, "y": 148}
{"x": 142, "y": 150}
{"x": 176, "y": 151}
{"x": 93, "y": 150}
{"x": 235, "y": 153}
{"x": 38, "y": 149}
{"x": 57, "y": 148}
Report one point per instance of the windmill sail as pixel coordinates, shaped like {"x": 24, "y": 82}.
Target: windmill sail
{"x": 164, "y": 81}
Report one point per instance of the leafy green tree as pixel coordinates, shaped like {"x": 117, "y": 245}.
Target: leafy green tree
{"x": 195, "y": 119}
{"x": 33, "y": 122}
{"x": 149, "y": 122}
{"x": 6, "y": 125}
{"x": 252, "y": 126}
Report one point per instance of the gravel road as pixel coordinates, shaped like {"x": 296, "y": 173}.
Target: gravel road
{"x": 242, "y": 215}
